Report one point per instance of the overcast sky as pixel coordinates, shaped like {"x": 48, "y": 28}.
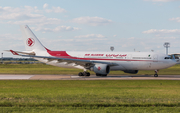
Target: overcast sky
{"x": 92, "y": 25}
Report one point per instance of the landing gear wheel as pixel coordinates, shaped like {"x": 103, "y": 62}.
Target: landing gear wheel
{"x": 88, "y": 74}
{"x": 84, "y": 74}
{"x": 101, "y": 75}
{"x": 80, "y": 74}
{"x": 98, "y": 74}
{"x": 104, "y": 75}
{"x": 155, "y": 75}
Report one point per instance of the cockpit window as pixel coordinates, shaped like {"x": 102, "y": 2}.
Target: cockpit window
{"x": 167, "y": 58}
{"x": 170, "y": 57}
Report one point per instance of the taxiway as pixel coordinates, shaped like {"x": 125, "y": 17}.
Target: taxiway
{"x": 92, "y": 77}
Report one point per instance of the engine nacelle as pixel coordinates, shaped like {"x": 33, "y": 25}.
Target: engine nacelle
{"x": 103, "y": 69}
{"x": 131, "y": 71}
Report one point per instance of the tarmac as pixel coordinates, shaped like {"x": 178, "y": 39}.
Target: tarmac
{"x": 92, "y": 77}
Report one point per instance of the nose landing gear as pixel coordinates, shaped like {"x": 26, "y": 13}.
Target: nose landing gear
{"x": 156, "y": 75}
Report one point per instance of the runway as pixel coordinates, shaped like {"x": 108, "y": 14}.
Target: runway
{"x": 92, "y": 77}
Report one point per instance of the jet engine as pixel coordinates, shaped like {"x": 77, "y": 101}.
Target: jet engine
{"x": 131, "y": 71}
{"x": 102, "y": 69}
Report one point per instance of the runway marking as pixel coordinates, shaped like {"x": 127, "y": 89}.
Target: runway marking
{"x": 12, "y": 77}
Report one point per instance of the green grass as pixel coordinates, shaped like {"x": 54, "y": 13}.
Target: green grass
{"x": 87, "y": 96}
{"x": 90, "y": 110}
{"x": 48, "y": 69}
{"x": 35, "y": 69}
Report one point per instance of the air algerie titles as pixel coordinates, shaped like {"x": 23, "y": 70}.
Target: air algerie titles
{"x": 106, "y": 55}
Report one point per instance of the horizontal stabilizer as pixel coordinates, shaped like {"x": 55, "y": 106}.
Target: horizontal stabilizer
{"x": 13, "y": 52}
{"x": 21, "y": 52}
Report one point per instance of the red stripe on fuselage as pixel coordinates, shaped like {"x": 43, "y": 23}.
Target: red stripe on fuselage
{"x": 63, "y": 54}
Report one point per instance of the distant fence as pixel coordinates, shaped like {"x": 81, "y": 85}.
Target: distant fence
{"x": 9, "y": 60}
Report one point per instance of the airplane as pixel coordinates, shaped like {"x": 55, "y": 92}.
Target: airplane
{"x": 99, "y": 62}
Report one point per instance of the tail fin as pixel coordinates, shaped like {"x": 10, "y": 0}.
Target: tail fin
{"x": 30, "y": 40}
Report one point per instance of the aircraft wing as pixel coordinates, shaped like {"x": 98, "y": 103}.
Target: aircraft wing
{"x": 84, "y": 63}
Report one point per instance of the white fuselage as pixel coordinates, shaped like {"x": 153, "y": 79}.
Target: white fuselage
{"x": 125, "y": 60}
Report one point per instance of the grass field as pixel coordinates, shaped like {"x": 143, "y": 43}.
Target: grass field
{"x": 48, "y": 69}
{"x": 90, "y": 96}
{"x": 147, "y": 96}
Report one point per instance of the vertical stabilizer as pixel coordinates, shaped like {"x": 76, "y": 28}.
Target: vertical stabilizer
{"x": 30, "y": 40}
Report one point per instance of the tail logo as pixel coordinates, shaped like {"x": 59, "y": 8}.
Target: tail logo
{"x": 30, "y": 42}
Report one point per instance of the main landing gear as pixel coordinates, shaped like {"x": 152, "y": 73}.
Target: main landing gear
{"x": 84, "y": 73}
{"x": 101, "y": 75}
{"x": 88, "y": 74}
{"x": 156, "y": 75}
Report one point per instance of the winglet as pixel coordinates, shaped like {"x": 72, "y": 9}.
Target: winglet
{"x": 14, "y": 53}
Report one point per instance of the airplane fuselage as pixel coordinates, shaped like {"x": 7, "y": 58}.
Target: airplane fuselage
{"x": 125, "y": 60}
